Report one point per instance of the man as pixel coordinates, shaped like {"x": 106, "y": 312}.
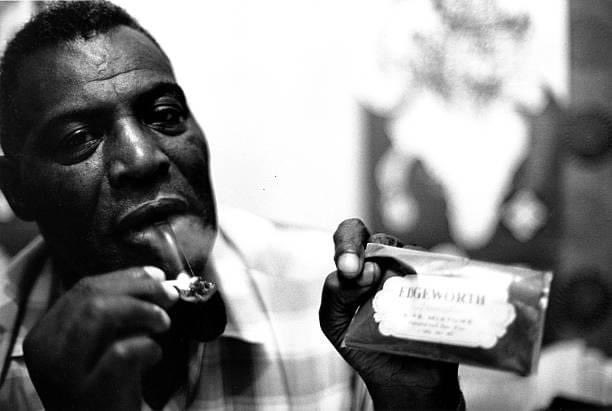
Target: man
{"x": 101, "y": 151}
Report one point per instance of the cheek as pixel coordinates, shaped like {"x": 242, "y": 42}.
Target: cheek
{"x": 191, "y": 158}
{"x": 62, "y": 195}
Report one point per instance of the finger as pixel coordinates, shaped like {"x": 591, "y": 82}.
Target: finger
{"x": 117, "y": 376}
{"x": 349, "y": 240}
{"x": 127, "y": 314}
{"x": 93, "y": 324}
{"x": 370, "y": 276}
{"x": 128, "y": 355}
{"x": 389, "y": 266}
{"x": 386, "y": 239}
{"x": 371, "y": 270}
{"x": 140, "y": 282}
{"x": 338, "y": 305}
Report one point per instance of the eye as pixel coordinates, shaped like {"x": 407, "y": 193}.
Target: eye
{"x": 77, "y": 145}
{"x": 168, "y": 115}
{"x": 168, "y": 118}
{"x": 77, "y": 138}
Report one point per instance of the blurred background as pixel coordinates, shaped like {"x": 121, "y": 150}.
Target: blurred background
{"x": 481, "y": 128}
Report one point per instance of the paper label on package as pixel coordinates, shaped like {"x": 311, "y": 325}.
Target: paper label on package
{"x": 444, "y": 309}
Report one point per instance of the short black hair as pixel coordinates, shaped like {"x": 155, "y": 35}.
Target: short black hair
{"x": 56, "y": 23}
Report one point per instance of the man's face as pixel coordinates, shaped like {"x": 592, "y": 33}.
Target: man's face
{"x": 110, "y": 150}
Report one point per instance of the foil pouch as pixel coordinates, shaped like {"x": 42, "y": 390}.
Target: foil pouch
{"x": 453, "y": 309}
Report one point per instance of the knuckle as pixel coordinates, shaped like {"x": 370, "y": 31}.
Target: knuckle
{"x": 85, "y": 286}
{"x": 350, "y": 234}
{"x": 154, "y": 291}
{"x": 353, "y": 222}
{"x": 95, "y": 307}
{"x": 138, "y": 274}
{"x": 348, "y": 224}
{"x": 331, "y": 281}
{"x": 121, "y": 352}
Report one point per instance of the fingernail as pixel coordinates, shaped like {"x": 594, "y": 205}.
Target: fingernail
{"x": 370, "y": 271}
{"x": 154, "y": 272}
{"x": 157, "y": 274}
{"x": 348, "y": 263}
{"x": 183, "y": 277}
{"x": 171, "y": 291}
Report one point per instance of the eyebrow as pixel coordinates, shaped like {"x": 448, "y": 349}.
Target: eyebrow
{"x": 162, "y": 89}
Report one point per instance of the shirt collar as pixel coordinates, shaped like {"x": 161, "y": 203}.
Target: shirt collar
{"x": 247, "y": 316}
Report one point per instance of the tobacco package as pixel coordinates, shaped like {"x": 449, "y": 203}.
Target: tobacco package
{"x": 453, "y": 309}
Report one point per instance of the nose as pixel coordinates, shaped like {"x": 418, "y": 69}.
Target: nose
{"x": 135, "y": 155}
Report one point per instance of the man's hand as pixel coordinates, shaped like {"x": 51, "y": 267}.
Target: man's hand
{"x": 394, "y": 382}
{"x": 90, "y": 350}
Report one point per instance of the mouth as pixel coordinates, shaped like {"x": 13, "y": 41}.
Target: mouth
{"x": 150, "y": 213}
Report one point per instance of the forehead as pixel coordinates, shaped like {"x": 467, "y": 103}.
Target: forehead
{"x": 81, "y": 74}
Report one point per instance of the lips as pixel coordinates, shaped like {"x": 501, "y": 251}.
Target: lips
{"x": 150, "y": 212}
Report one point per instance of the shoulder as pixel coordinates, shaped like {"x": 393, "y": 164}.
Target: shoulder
{"x": 19, "y": 282}
{"x": 19, "y": 277}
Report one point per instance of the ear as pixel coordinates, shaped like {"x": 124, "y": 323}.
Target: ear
{"x": 10, "y": 184}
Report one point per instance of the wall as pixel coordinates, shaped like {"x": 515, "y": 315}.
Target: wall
{"x": 269, "y": 82}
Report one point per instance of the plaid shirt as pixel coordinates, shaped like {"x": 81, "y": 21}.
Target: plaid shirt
{"x": 272, "y": 355}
